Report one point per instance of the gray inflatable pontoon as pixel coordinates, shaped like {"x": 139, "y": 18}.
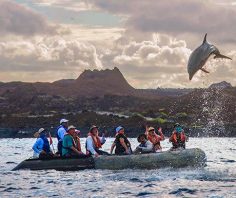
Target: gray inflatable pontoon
{"x": 177, "y": 159}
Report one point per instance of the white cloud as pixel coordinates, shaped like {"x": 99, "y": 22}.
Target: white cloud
{"x": 48, "y": 54}
{"x": 181, "y": 18}
{"x": 149, "y": 53}
{"x": 19, "y": 20}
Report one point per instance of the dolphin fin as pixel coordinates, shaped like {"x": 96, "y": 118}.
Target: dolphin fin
{"x": 204, "y": 70}
{"x": 221, "y": 56}
{"x": 205, "y": 38}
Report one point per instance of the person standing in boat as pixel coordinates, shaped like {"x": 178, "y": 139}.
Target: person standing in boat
{"x": 61, "y": 131}
{"x": 41, "y": 147}
{"x": 178, "y": 137}
{"x": 69, "y": 146}
{"x": 145, "y": 145}
{"x": 121, "y": 144}
{"x": 94, "y": 143}
{"x": 154, "y": 138}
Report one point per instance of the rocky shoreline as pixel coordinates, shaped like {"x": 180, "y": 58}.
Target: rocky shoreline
{"x": 25, "y": 126}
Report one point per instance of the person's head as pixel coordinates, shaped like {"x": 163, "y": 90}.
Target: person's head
{"x": 77, "y": 132}
{"x": 120, "y": 130}
{"x": 71, "y": 130}
{"x": 93, "y": 130}
{"x": 64, "y": 122}
{"x": 151, "y": 130}
{"x": 178, "y": 128}
{"x": 142, "y": 138}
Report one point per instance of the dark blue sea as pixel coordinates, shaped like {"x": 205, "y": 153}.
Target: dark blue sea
{"x": 216, "y": 180}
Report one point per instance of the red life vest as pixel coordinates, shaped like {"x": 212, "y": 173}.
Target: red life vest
{"x": 96, "y": 141}
{"x": 173, "y": 137}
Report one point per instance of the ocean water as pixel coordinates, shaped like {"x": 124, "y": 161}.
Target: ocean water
{"x": 216, "y": 180}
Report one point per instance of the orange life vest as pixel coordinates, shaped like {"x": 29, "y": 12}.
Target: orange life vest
{"x": 78, "y": 145}
{"x": 173, "y": 138}
{"x": 155, "y": 140}
{"x": 96, "y": 141}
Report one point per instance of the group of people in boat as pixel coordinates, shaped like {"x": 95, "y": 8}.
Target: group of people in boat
{"x": 69, "y": 142}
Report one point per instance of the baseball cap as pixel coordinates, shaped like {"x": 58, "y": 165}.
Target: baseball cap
{"x": 63, "y": 120}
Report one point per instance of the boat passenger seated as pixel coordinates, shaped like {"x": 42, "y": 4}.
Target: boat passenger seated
{"x": 154, "y": 138}
{"x": 121, "y": 144}
{"x": 61, "y": 131}
{"x": 69, "y": 147}
{"x": 145, "y": 145}
{"x": 178, "y": 138}
{"x": 94, "y": 143}
{"x": 41, "y": 147}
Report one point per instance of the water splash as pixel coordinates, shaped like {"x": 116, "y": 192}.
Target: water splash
{"x": 212, "y": 111}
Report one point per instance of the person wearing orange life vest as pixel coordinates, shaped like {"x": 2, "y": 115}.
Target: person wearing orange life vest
{"x": 94, "y": 143}
{"x": 178, "y": 138}
{"x": 154, "y": 138}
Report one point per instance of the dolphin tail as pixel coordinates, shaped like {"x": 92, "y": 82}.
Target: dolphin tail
{"x": 222, "y": 56}
{"x": 205, "y": 38}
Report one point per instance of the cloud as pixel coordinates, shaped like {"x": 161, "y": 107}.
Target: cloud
{"x": 19, "y": 20}
{"x": 48, "y": 54}
{"x": 162, "y": 62}
{"x": 179, "y": 18}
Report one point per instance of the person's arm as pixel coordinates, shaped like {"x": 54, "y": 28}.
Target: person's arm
{"x": 103, "y": 139}
{"x": 90, "y": 146}
{"x": 146, "y": 130}
{"x": 112, "y": 147}
{"x": 38, "y": 146}
{"x": 122, "y": 141}
{"x": 162, "y": 137}
{"x": 148, "y": 148}
{"x": 75, "y": 150}
{"x": 171, "y": 138}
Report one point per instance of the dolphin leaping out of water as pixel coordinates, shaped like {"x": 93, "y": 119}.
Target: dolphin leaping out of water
{"x": 200, "y": 55}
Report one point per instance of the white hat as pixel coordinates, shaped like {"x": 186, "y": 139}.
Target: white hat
{"x": 77, "y": 131}
{"x": 63, "y": 121}
{"x": 41, "y": 130}
{"x": 71, "y": 127}
{"x": 37, "y": 133}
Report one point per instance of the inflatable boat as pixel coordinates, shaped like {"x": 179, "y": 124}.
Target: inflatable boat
{"x": 177, "y": 159}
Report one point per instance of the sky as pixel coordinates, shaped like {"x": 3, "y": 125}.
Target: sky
{"x": 149, "y": 41}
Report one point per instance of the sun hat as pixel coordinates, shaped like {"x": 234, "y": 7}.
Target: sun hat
{"x": 177, "y": 125}
{"x": 93, "y": 127}
{"x": 119, "y": 128}
{"x": 71, "y": 127}
{"x": 77, "y": 131}
{"x": 63, "y": 120}
{"x": 37, "y": 133}
{"x": 151, "y": 129}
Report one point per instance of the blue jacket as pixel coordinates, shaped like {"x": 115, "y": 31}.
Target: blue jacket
{"x": 61, "y": 131}
{"x": 41, "y": 143}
